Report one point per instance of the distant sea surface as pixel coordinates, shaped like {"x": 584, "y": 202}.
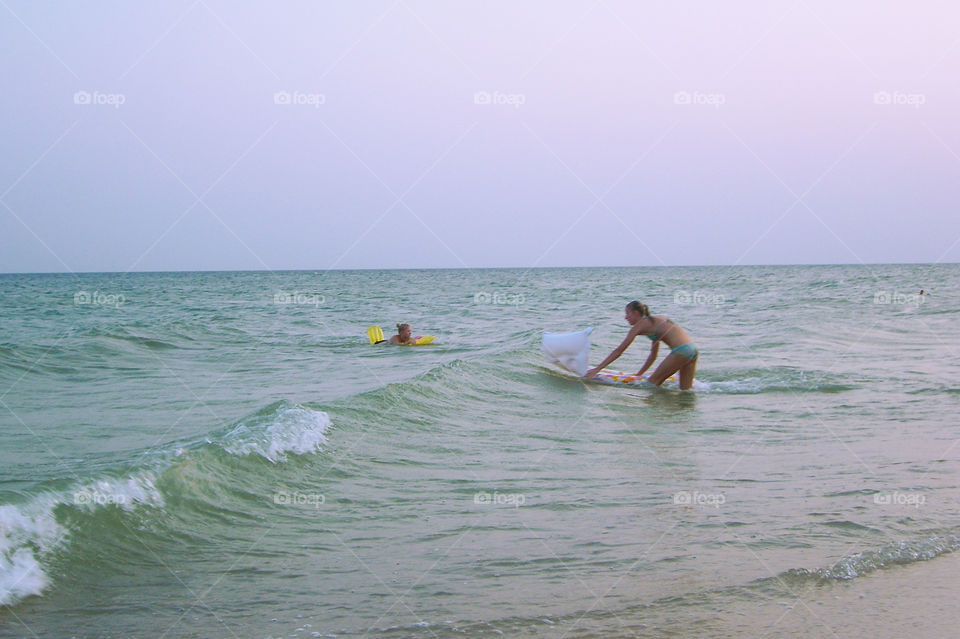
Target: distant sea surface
{"x": 225, "y": 454}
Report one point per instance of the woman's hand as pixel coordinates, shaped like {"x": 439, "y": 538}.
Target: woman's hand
{"x": 592, "y": 372}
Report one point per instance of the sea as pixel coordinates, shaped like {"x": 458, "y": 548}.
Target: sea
{"x": 224, "y": 454}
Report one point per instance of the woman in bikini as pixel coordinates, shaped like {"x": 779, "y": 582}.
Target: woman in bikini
{"x": 683, "y": 352}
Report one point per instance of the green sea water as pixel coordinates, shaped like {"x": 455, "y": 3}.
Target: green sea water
{"x": 225, "y": 455}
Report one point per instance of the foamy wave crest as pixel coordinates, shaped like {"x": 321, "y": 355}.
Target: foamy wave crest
{"x": 862, "y": 563}
{"x": 124, "y": 492}
{"x": 30, "y": 531}
{"x": 754, "y": 385}
{"x": 747, "y": 385}
{"x": 280, "y": 429}
{"x": 26, "y": 533}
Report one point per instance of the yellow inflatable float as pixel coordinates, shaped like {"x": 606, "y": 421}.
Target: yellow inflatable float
{"x": 375, "y": 334}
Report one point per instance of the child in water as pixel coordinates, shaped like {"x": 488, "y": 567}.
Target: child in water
{"x": 403, "y": 337}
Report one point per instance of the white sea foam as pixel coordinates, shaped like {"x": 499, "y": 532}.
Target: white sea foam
{"x": 289, "y": 429}
{"x": 124, "y": 492}
{"x": 898, "y": 553}
{"x": 26, "y": 532}
{"x": 745, "y": 385}
{"x": 752, "y": 385}
{"x": 30, "y": 531}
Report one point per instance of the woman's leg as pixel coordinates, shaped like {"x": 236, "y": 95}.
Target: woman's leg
{"x": 687, "y": 373}
{"x": 670, "y": 365}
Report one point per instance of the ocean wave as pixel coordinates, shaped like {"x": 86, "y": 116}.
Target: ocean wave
{"x": 742, "y": 383}
{"x": 776, "y": 379}
{"x": 40, "y": 359}
{"x": 32, "y": 530}
{"x": 171, "y": 340}
{"x": 279, "y": 429}
{"x": 862, "y": 563}
{"x": 27, "y": 533}
{"x": 124, "y": 492}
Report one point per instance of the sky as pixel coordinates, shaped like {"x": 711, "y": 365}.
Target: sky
{"x": 216, "y": 135}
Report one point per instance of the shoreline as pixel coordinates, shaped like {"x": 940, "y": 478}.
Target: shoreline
{"x": 919, "y": 598}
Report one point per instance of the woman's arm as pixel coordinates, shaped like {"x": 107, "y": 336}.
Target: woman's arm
{"x": 654, "y": 349}
{"x": 617, "y": 352}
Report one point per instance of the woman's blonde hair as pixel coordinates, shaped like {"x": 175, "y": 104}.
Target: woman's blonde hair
{"x": 637, "y": 306}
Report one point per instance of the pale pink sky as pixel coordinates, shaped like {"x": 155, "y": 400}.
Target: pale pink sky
{"x": 206, "y": 135}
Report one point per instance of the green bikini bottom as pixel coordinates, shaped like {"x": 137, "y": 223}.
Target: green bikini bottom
{"x": 686, "y": 350}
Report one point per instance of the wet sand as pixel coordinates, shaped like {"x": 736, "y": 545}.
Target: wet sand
{"x": 917, "y": 601}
